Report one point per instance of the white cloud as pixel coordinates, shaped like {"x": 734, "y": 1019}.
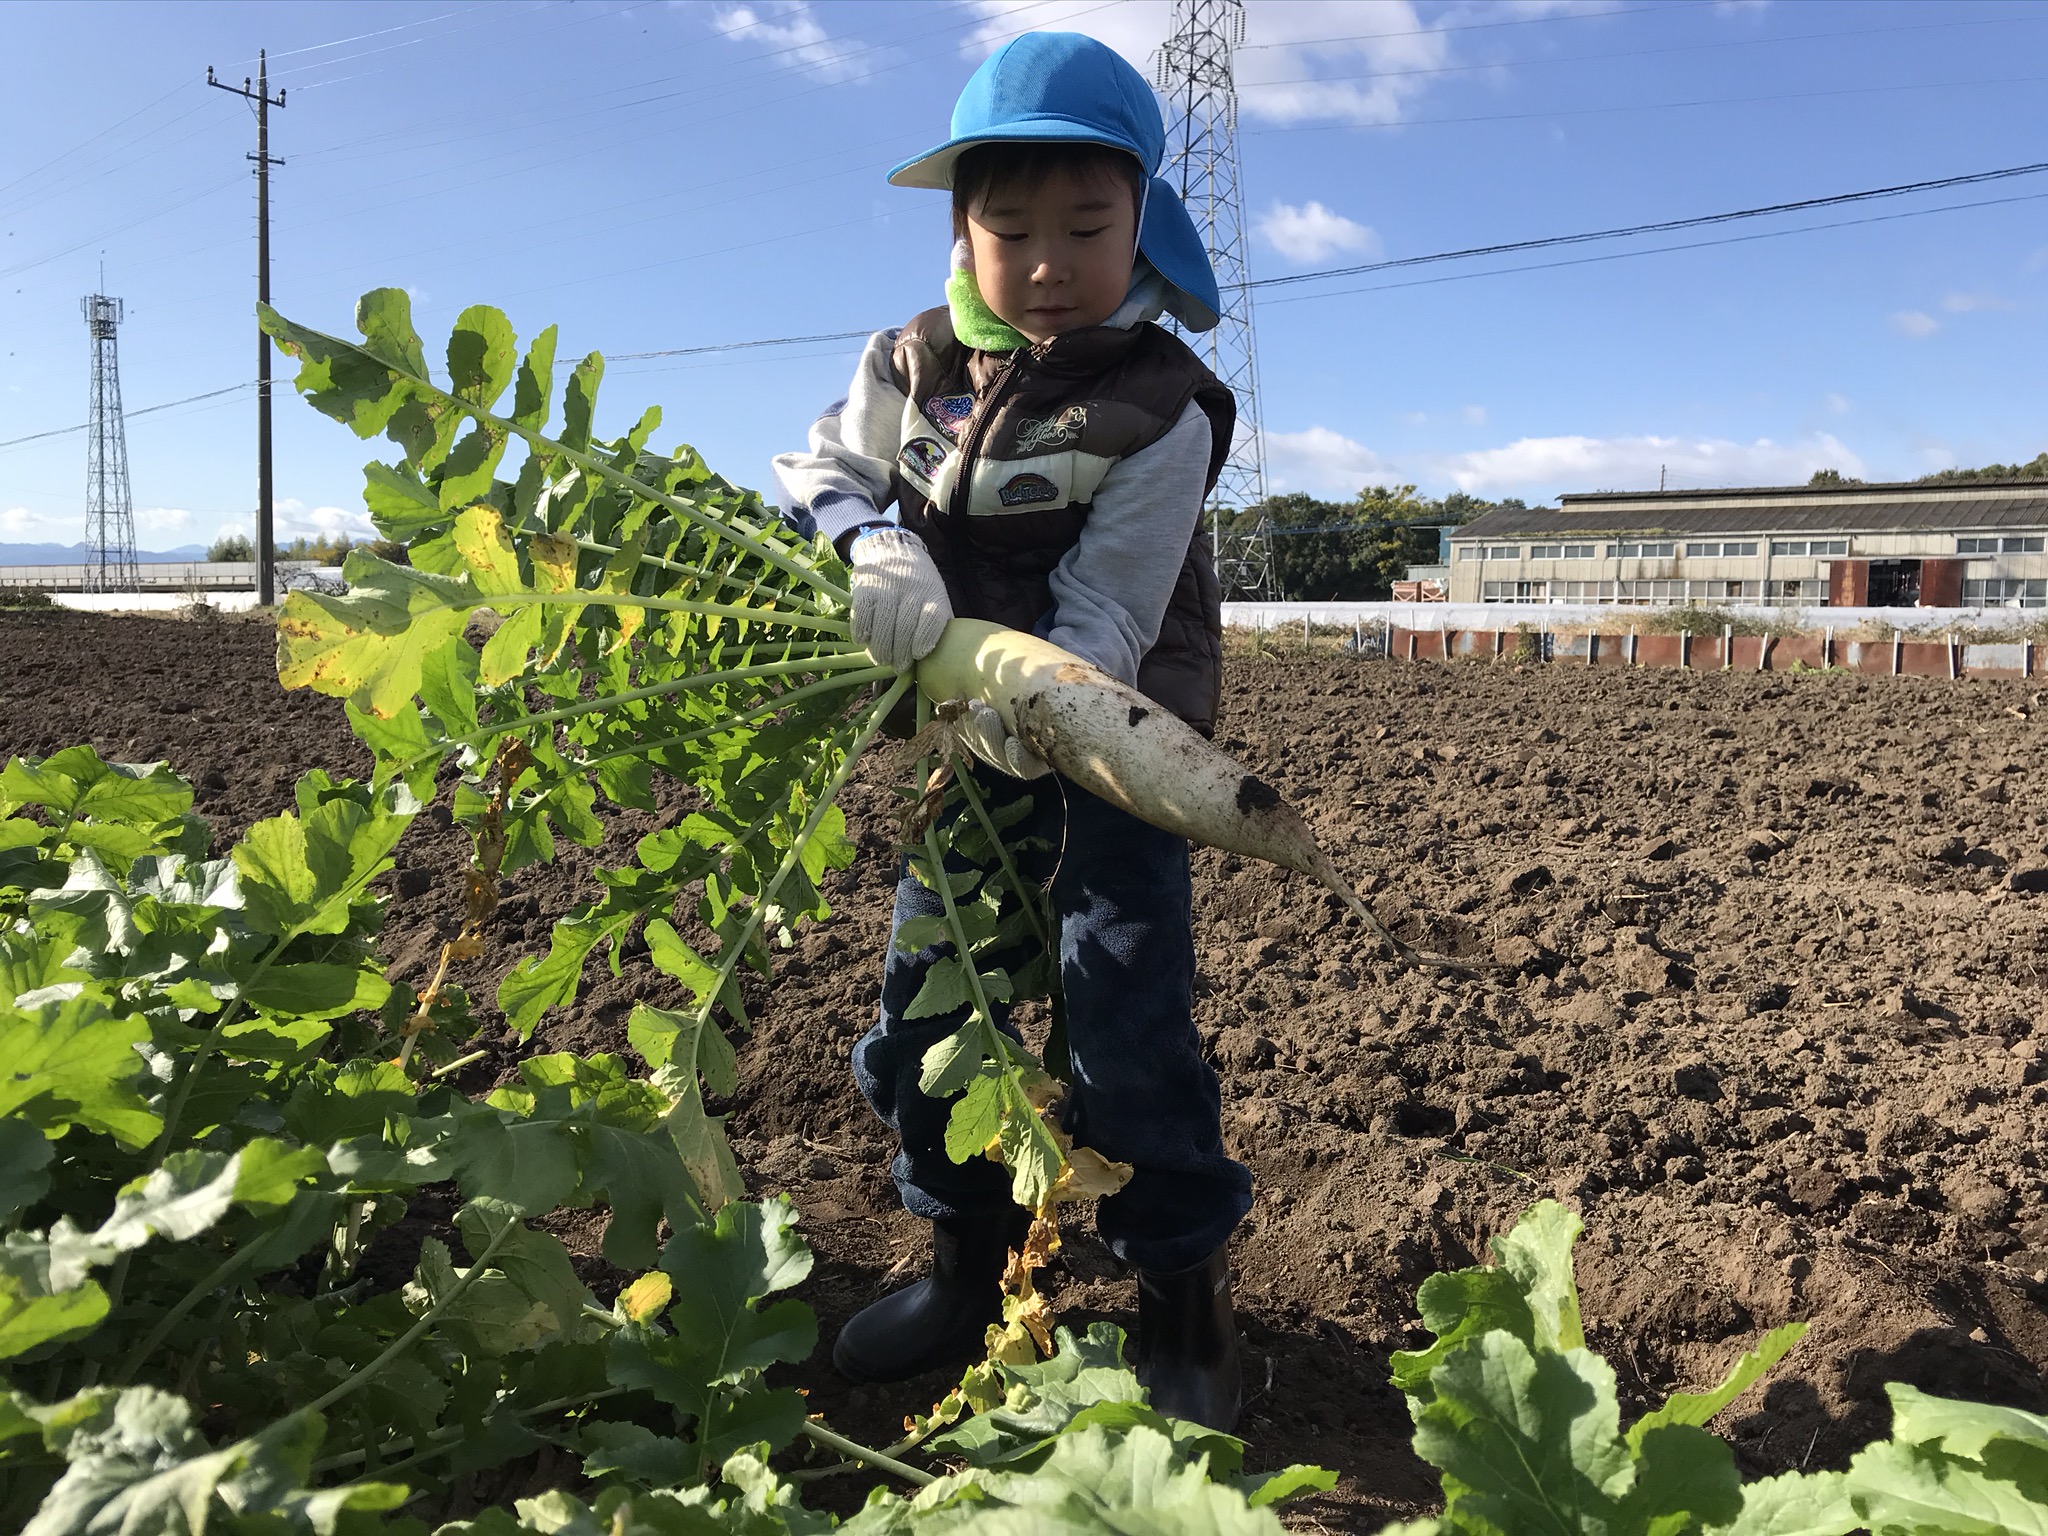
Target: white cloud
{"x": 1326, "y": 463}
{"x": 1302, "y": 60}
{"x": 2037, "y": 261}
{"x": 1915, "y": 322}
{"x": 1312, "y": 233}
{"x": 1975, "y": 303}
{"x": 1415, "y": 418}
{"x": 294, "y": 518}
{"x": 1322, "y": 463}
{"x": 150, "y": 520}
{"x": 1838, "y": 405}
{"x": 1475, "y": 415}
{"x": 16, "y": 521}
{"x": 798, "y": 38}
{"x": 1541, "y": 467}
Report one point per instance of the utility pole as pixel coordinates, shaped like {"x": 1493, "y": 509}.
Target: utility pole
{"x": 266, "y": 534}
{"x": 1192, "y": 69}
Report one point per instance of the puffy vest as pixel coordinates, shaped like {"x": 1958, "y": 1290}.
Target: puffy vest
{"x": 1000, "y": 459}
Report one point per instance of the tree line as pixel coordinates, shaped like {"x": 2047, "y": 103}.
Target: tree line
{"x": 1354, "y": 551}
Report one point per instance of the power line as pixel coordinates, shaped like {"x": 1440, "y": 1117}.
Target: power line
{"x": 1665, "y": 226}
{"x": 1901, "y": 189}
{"x": 733, "y": 346}
{"x": 342, "y": 42}
{"x": 211, "y": 394}
{"x": 9, "y": 186}
{"x": 1661, "y": 250}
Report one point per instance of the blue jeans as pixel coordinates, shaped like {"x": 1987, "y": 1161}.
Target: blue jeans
{"x": 1140, "y": 1091}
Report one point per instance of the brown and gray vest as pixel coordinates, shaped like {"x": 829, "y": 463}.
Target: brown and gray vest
{"x": 1001, "y": 457}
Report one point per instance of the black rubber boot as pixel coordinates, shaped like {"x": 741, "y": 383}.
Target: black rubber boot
{"x": 943, "y": 1318}
{"x": 1187, "y": 1344}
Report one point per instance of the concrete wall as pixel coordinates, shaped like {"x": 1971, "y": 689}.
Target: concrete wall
{"x": 1746, "y": 653}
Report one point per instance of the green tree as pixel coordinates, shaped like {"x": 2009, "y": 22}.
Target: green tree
{"x": 324, "y": 550}
{"x": 1354, "y": 551}
{"x": 232, "y": 546}
{"x": 2035, "y": 468}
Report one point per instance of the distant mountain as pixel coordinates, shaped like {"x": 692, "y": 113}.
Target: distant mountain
{"x": 74, "y": 554}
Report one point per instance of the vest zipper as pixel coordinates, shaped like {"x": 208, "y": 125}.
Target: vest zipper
{"x": 970, "y": 440}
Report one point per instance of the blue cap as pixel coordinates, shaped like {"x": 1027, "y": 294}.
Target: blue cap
{"x": 1064, "y": 88}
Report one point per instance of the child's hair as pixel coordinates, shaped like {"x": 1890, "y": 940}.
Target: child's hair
{"x": 1007, "y": 166}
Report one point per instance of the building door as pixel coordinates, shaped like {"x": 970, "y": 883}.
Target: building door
{"x": 1894, "y": 583}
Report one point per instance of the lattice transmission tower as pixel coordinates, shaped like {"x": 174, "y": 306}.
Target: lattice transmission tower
{"x": 109, "y": 507}
{"x": 1192, "y": 70}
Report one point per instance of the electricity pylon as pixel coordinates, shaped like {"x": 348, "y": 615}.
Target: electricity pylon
{"x": 109, "y": 507}
{"x": 1192, "y": 70}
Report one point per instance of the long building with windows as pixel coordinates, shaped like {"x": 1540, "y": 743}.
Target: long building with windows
{"x": 1975, "y": 544}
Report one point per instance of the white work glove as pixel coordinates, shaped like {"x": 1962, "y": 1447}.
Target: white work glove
{"x": 900, "y": 607}
{"x": 983, "y": 733}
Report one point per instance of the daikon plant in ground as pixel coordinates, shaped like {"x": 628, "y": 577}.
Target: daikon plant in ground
{"x": 652, "y": 618}
{"x": 210, "y": 1132}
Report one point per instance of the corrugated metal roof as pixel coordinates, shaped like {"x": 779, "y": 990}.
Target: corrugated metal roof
{"x": 1831, "y": 510}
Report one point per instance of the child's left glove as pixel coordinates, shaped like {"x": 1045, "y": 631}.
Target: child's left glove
{"x": 984, "y": 734}
{"x": 900, "y": 607}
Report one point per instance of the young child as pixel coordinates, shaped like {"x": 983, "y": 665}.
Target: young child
{"x": 1048, "y": 450}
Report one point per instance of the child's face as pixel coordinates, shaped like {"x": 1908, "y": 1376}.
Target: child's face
{"x": 1056, "y": 258}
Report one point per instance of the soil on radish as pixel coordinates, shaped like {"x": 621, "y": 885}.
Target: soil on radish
{"x": 1775, "y": 1023}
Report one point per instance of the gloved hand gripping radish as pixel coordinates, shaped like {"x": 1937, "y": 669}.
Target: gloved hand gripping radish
{"x": 900, "y": 607}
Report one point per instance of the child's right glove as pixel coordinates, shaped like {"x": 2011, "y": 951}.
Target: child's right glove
{"x": 984, "y": 734}
{"x": 900, "y": 607}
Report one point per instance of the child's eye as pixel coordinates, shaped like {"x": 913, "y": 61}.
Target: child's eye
{"x": 1007, "y": 239}
{"x": 1089, "y": 234}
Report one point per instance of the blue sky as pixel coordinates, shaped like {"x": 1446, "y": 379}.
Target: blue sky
{"x": 655, "y": 175}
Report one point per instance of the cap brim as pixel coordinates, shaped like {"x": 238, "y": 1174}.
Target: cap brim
{"x": 934, "y": 168}
{"x": 1176, "y": 249}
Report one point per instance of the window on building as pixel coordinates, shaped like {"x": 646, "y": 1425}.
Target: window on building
{"x": 1702, "y": 551}
{"x": 1809, "y": 546}
{"x": 1967, "y": 545}
{"x": 1546, "y": 551}
{"x": 1741, "y": 550}
{"x": 1713, "y": 550}
{"x": 1512, "y": 591}
{"x": 1578, "y": 551}
{"x": 1662, "y": 551}
{"x": 2029, "y": 545}
{"x": 2005, "y": 592}
{"x": 1503, "y": 551}
{"x": 1470, "y": 552}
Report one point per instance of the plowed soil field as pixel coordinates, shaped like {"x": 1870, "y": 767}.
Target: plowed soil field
{"x": 1775, "y": 1021}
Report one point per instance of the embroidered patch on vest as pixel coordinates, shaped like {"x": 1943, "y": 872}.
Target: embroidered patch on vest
{"x": 1034, "y": 433}
{"x": 949, "y": 413}
{"x": 1027, "y": 490}
{"x": 922, "y": 456}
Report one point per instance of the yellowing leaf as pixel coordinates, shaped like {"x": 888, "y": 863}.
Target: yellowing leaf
{"x": 488, "y": 551}
{"x": 1089, "y": 1176}
{"x": 646, "y": 1296}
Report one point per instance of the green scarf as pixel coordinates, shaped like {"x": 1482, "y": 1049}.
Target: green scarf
{"x": 974, "y": 322}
